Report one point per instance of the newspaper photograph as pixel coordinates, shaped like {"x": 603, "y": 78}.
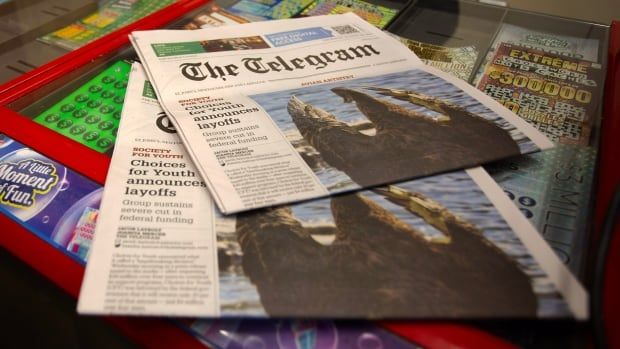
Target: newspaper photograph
{"x": 345, "y": 254}
{"x": 283, "y": 111}
{"x": 352, "y": 256}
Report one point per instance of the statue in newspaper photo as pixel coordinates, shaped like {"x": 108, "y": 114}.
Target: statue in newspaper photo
{"x": 384, "y": 129}
{"x": 404, "y": 137}
{"x": 378, "y": 265}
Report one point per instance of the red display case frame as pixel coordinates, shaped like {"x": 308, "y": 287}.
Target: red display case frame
{"x": 67, "y": 273}
{"x": 608, "y": 185}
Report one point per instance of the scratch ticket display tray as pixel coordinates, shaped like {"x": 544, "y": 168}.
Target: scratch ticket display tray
{"x": 556, "y": 94}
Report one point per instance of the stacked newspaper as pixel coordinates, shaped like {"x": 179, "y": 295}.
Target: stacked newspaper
{"x": 247, "y": 106}
{"x": 272, "y": 113}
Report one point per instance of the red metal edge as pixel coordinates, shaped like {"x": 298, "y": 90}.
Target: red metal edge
{"x": 57, "y": 147}
{"x": 430, "y": 335}
{"x": 42, "y": 75}
{"x": 609, "y": 149}
{"x": 611, "y": 289}
{"x": 609, "y": 181}
{"x": 66, "y": 273}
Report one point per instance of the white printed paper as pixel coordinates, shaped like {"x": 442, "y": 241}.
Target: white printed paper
{"x": 155, "y": 250}
{"x": 284, "y": 111}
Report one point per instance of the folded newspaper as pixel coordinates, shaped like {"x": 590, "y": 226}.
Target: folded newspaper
{"x": 283, "y": 111}
{"x": 445, "y": 246}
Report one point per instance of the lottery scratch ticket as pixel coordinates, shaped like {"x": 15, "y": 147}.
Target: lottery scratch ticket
{"x": 213, "y": 16}
{"x": 110, "y": 16}
{"x": 379, "y": 16}
{"x": 563, "y": 45}
{"x": 269, "y": 9}
{"x": 458, "y": 61}
{"x": 558, "y": 95}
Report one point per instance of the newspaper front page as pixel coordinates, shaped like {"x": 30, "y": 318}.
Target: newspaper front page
{"x": 155, "y": 238}
{"x": 284, "y": 111}
{"x": 312, "y": 259}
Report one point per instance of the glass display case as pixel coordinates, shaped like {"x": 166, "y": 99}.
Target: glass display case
{"x": 67, "y": 113}
{"x": 23, "y": 22}
{"x": 478, "y": 42}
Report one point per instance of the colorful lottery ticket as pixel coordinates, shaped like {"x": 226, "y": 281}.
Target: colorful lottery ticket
{"x": 583, "y": 48}
{"x": 84, "y": 233}
{"x": 458, "y": 61}
{"x": 111, "y": 15}
{"x": 553, "y": 190}
{"x": 268, "y": 9}
{"x": 213, "y": 16}
{"x": 379, "y": 16}
{"x": 558, "y": 95}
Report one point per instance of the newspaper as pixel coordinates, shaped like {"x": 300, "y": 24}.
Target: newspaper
{"x": 326, "y": 245}
{"x": 155, "y": 237}
{"x": 259, "y": 108}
